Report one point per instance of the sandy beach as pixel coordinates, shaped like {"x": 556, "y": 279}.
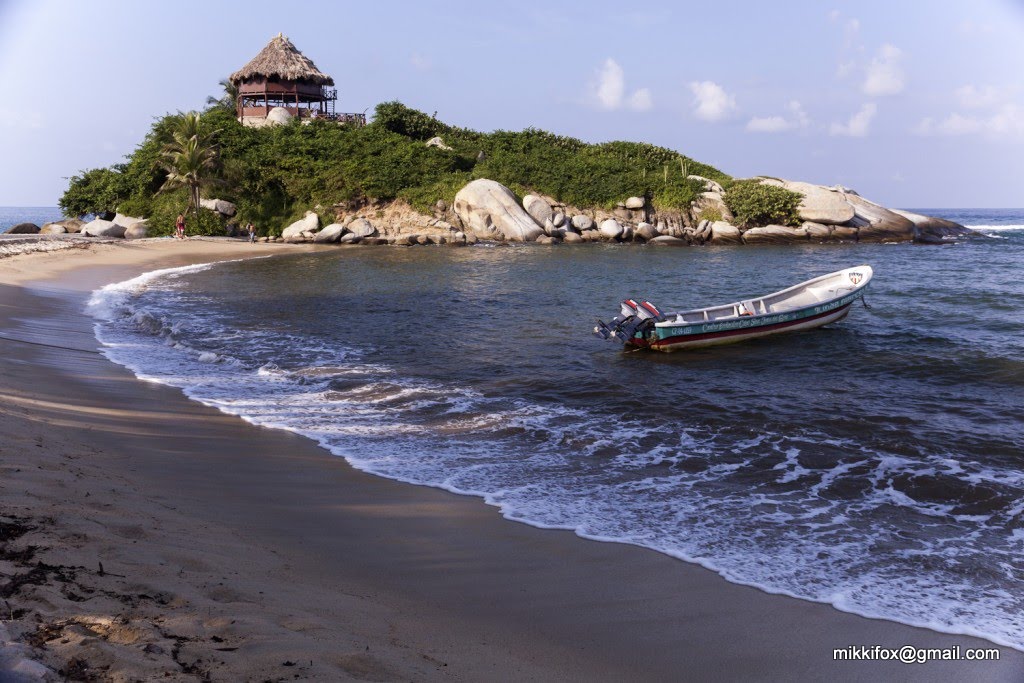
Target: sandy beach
{"x": 146, "y": 536}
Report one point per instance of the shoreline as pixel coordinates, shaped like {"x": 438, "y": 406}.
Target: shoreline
{"x": 442, "y": 585}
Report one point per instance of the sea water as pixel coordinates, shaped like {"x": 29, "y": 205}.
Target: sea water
{"x": 876, "y": 464}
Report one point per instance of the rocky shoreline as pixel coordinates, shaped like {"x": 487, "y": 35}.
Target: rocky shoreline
{"x": 485, "y": 210}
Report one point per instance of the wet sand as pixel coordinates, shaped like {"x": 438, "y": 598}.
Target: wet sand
{"x": 147, "y": 536}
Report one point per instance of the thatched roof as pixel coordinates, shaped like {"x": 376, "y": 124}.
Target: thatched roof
{"x": 283, "y": 60}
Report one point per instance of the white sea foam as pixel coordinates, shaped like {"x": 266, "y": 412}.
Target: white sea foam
{"x": 744, "y": 505}
{"x": 997, "y": 227}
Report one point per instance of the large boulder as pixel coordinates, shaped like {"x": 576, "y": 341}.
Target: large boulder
{"x": 668, "y": 241}
{"x": 611, "y": 229}
{"x": 774, "y": 234}
{"x": 126, "y": 221}
{"x": 221, "y": 206}
{"x": 490, "y": 211}
{"x": 330, "y": 234}
{"x": 844, "y": 233}
{"x": 361, "y": 227}
{"x": 931, "y": 229}
{"x": 634, "y": 203}
{"x": 572, "y": 238}
{"x": 819, "y": 204}
{"x": 52, "y": 229}
{"x": 645, "y": 231}
{"x": 72, "y": 224}
{"x": 278, "y": 116}
{"x": 136, "y": 231}
{"x": 581, "y": 222}
{"x": 878, "y": 224}
{"x": 538, "y": 208}
{"x": 709, "y": 185}
{"x": 309, "y": 223}
{"x": 724, "y": 233}
{"x": 817, "y": 231}
{"x": 438, "y": 142}
{"x": 23, "y": 229}
{"x": 102, "y": 228}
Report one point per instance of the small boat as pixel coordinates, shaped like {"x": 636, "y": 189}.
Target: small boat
{"x": 805, "y": 306}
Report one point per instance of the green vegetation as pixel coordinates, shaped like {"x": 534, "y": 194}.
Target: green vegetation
{"x": 190, "y": 158}
{"x": 98, "y": 191}
{"x": 274, "y": 174}
{"x": 754, "y": 204}
{"x": 710, "y": 213}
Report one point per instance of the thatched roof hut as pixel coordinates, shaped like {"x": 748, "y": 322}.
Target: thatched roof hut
{"x": 280, "y": 60}
{"x": 282, "y": 80}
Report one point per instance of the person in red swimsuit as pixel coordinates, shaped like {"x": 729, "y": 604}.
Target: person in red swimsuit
{"x": 179, "y": 227}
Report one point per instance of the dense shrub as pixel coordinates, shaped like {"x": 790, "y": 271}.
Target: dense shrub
{"x": 398, "y": 118}
{"x": 754, "y": 204}
{"x": 94, "y": 191}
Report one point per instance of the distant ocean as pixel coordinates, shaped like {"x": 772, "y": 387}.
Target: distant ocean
{"x": 12, "y": 215}
{"x": 876, "y": 465}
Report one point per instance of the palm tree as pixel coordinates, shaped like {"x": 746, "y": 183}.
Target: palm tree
{"x": 190, "y": 158}
{"x": 228, "y": 100}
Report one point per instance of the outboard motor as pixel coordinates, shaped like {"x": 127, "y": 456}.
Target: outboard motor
{"x": 627, "y": 318}
{"x": 628, "y": 308}
{"x": 632, "y": 317}
{"x": 648, "y": 311}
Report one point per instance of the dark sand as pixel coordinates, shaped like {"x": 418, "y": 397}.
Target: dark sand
{"x": 233, "y": 552}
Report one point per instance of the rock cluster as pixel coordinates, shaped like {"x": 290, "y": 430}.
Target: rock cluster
{"x": 351, "y": 230}
{"x": 489, "y": 210}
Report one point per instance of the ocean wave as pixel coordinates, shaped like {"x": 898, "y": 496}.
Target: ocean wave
{"x": 802, "y": 513}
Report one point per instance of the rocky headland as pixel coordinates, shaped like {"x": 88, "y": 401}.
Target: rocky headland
{"x": 485, "y": 210}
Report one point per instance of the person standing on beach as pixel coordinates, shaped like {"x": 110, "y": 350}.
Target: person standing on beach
{"x": 179, "y": 227}
{"x": 252, "y": 232}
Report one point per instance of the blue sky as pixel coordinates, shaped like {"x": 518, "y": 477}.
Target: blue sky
{"x": 914, "y": 104}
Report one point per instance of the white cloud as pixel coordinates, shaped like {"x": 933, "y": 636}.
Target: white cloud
{"x": 983, "y": 97}
{"x": 858, "y": 124}
{"x": 641, "y": 100}
{"x": 834, "y": 15}
{"x": 609, "y": 90}
{"x": 885, "y": 73}
{"x": 1006, "y": 122}
{"x": 611, "y": 84}
{"x": 799, "y": 115}
{"x": 845, "y": 69}
{"x": 420, "y": 63}
{"x": 779, "y": 124}
{"x": 768, "y": 124}
{"x": 992, "y": 112}
{"x": 711, "y": 101}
